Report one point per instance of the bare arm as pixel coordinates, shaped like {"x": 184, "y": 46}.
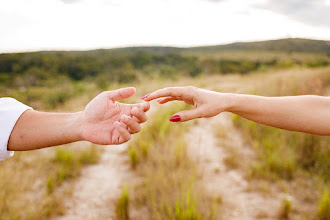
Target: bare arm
{"x": 310, "y": 114}
{"x": 103, "y": 121}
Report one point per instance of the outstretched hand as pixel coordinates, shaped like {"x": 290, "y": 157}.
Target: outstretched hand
{"x": 106, "y": 121}
{"x": 207, "y": 103}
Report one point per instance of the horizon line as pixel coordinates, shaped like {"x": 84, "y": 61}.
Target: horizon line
{"x": 149, "y": 46}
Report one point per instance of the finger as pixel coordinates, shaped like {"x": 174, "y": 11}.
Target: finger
{"x": 122, "y": 93}
{"x": 140, "y": 115}
{"x": 133, "y": 125}
{"x": 188, "y": 115}
{"x": 169, "y": 91}
{"x": 124, "y": 135}
{"x": 115, "y": 136}
{"x": 167, "y": 99}
{"x": 144, "y": 106}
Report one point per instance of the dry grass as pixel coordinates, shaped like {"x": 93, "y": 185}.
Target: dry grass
{"x": 30, "y": 181}
{"x": 290, "y": 156}
{"x": 168, "y": 189}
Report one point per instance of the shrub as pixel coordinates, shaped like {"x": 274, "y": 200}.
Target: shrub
{"x": 324, "y": 206}
{"x": 122, "y": 207}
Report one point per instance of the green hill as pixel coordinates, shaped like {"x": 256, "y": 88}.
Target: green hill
{"x": 64, "y": 74}
{"x": 128, "y": 64}
{"x": 282, "y": 45}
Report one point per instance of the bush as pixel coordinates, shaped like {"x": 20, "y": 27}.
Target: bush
{"x": 122, "y": 207}
{"x": 324, "y": 206}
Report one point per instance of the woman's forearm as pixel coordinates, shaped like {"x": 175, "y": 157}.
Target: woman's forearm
{"x": 36, "y": 130}
{"x": 310, "y": 114}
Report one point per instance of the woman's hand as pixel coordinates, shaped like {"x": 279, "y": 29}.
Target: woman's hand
{"x": 207, "y": 103}
{"x": 105, "y": 121}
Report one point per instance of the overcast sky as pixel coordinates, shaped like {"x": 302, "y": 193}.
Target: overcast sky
{"x": 27, "y": 25}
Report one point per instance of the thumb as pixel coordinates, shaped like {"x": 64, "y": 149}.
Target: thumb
{"x": 187, "y": 115}
{"x": 120, "y": 94}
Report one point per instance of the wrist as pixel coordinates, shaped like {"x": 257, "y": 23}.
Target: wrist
{"x": 76, "y": 126}
{"x": 231, "y": 102}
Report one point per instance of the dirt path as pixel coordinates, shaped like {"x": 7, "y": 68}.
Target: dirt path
{"x": 239, "y": 203}
{"x": 98, "y": 188}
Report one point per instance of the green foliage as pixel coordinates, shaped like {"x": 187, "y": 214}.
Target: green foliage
{"x": 123, "y": 65}
{"x": 281, "y": 152}
{"x": 133, "y": 155}
{"x": 122, "y": 207}
{"x": 286, "y": 208}
{"x": 236, "y": 66}
{"x": 324, "y": 206}
{"x": 47, "y": 79}
{"x": 318, "y": 63}
{"x": 287, "y": 45}
{"x": 67, "y": 165}
{"x": 185, "y": 208}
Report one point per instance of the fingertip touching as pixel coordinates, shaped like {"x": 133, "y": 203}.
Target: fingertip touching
{"x": 145, "y": 106}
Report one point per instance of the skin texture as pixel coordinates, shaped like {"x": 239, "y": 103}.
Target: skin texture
{"x": 309, "y": 114}
{"x": 103, "y": 121}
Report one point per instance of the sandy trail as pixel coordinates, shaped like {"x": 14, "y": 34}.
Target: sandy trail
{"x": 98, "y": 188}
{"x": 205, "y": 148}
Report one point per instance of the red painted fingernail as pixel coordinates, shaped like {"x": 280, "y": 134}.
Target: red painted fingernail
{"x": 175, "y": 118}
{"x": 159, "y": 100}
{"x": 146, "y": 96}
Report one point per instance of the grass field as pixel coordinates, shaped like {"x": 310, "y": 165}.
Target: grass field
{"x": 34, "y": 185}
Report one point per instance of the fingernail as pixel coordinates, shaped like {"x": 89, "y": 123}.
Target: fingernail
{"x": 146, "y": 96}
{"x": 159, "y": 100}
{"x": 175, "y": 118}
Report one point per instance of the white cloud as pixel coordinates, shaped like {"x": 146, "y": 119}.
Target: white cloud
{"x": 316, "y": 12}
{"x": 51, "y": 24}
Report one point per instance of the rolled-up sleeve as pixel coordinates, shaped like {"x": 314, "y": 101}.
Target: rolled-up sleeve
{"x": 10, "y": 111}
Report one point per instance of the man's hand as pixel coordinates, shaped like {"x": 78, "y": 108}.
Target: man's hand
{"x": 105, "y": 121}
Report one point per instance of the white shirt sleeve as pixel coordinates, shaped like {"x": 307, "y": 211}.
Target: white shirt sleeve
{"x": 10, "y": 111}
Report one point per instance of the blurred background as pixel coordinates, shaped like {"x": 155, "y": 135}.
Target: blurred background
{"x": 57, "y": 55}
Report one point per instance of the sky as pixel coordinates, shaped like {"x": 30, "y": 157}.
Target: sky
{"x": 32, "y": 25}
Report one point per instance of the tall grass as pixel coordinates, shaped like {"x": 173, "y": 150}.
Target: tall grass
{"x": 122, "y": 207}
{"x": 285, "y": 155}
{"x": 323, "y": 211}
{"x": 30, "y": 181}
{"x": 169, "y": 178}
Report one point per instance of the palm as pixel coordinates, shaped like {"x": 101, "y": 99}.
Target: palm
{"x": 99, "y": 118}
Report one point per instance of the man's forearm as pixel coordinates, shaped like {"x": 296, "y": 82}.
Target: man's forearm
{"x": 309, "y": 114}
{"x": 36, "y": 130}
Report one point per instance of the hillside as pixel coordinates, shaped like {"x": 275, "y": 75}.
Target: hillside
{"x": 36, "y": 73}
{"x": 281, "y": 45}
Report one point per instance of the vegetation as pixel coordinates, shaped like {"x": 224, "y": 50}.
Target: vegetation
{"x": 35, "y": 177}
{"x": 284, "y": 155}
{"x": 66, "y": 81}
{"x": 169, "y": 179}
{"x": 285, "y": 209}
{"x": 28, "y": 76}
{"x": 122, "y": 208}
{"x": 324, "y": 206}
